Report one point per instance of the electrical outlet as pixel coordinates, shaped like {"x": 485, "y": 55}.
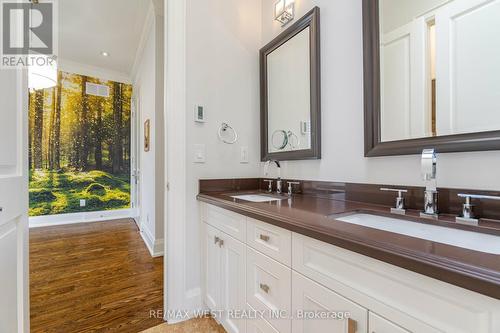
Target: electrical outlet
{"x": 83, "y": 203}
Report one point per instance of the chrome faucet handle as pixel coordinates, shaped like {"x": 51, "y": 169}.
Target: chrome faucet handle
{"x": 290, "y": 187}
{"x": 468, "y": 216}
{"x": 270, "y": 186}
{"x": 400, "y": 200}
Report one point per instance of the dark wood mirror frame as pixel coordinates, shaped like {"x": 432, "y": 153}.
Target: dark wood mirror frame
{"x": 311, "y": 20}
{"x": 481, "y": 141}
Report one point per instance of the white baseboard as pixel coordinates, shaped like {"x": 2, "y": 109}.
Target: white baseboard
{"x": 62, "y": 219}
{"x": 155, "y": 246}
{"x": 191, "y": 314}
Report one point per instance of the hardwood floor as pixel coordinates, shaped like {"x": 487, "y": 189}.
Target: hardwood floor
{"x": 95, "y": 277}
{"x": 199, "y": 325}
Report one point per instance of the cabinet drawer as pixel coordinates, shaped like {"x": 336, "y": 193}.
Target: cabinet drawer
{"x": 378, "y": 324}
{"x": 326, "y": 311}
{"x": 269, "y": 289}
{"x": 258, "y": 324}
{"x": 225, "y": 220}
{"x": 416, "y": 302}
{"x": 273, "y": 241}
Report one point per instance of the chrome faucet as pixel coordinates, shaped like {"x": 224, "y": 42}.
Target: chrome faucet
{"x": 468, "y": 216}
{"x": 279, "y": 183}
{"x": 400, "y": 200}
{"x": 429, "y": 162}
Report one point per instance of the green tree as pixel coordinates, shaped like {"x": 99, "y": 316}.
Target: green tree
{"x": 38, "y": 130}
{"x": 118, "y": 135}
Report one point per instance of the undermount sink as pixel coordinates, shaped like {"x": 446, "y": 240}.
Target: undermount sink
{"x": 465, "y": 239}
{"x": 256, "y": 198}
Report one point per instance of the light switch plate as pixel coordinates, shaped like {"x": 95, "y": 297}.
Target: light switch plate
{"x": 305, "y": 127}
{"x": 244, "y": 154}
{"x": 199, "y": 153}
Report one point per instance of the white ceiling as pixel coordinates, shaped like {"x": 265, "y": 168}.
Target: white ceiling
{"x": 88, "y": 27}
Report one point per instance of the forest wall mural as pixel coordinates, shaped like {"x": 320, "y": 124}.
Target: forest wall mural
{"x": 79, "y": 146}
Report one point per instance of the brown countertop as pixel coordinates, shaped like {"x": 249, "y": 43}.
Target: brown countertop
{"x": 315, "y": 217}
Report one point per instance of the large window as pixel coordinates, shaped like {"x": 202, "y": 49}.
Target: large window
{"x": 79, "y": 146}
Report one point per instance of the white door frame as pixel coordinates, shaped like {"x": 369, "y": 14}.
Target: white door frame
{"x": 176, "y": 295}
{"x": 135, "y": 162}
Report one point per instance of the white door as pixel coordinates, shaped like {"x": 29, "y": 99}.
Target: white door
{"x": 14, "y": 309}
{"x": 378, "y": 324}
{"x": 212, "y": 268}
{"x": 468, "y": 70}
{"x": 396, "y": 71}
{"x": 312, "y": 300}
{"x": 136, "y": 159}
{"x": 402, "y": 67}
{"x": 234, "y": 282}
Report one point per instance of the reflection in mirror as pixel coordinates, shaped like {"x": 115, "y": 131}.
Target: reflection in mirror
{"x": 289, "y": 95}
{"x": 440, "y": 68}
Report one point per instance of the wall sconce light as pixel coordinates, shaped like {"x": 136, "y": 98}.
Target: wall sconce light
{"x": 284, "y": 11}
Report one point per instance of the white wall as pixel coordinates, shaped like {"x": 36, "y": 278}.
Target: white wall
{"x": 216, "y": 64}
{"x": 342, "y": 113}
{"x": 222, "y": 73}
{"x": 148, "y": 89}
{"x": 396, "y": 13}
{"x": 70, "y": 66}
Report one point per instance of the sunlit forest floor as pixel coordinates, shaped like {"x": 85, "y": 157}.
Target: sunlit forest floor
{"x": 61, "y": 192}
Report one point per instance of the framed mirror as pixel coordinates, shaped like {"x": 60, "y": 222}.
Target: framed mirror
{"x": 290, "y": 92}
{"x": 431, "y": 76}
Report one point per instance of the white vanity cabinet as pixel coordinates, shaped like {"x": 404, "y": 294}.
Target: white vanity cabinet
{"x": 224, "y": 275}
{"x": 382, "y": 325}
{"x": 268, "y": 289}
{"x": 212, "y": 263}
{"x": 310, "y": 300}
{"x": 249, "y": 264}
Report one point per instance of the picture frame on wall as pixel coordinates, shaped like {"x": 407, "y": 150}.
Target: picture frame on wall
{"x": 147, "y": 135}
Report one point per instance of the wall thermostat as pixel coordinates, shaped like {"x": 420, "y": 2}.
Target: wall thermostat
{"x": 199, "y": 113}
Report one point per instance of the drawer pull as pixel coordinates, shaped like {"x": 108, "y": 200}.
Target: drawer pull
{"x": 216, "y": 240}
{"x": 265, "y": 288}
{"x": 351, "y": 326}
{"x": 265, "y": 238}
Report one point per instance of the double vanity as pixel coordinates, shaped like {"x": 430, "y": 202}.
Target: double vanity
{"x": 314, "y": 257}
{"x": 318, "y": 252}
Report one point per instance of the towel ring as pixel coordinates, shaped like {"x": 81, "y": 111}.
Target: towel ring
{"x": 290, "y": 136}
{"x": 280, "y": 145}
{"x": 223, "y": 128}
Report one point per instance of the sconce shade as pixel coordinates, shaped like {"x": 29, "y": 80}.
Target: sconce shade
{"x": 284, "y": 11}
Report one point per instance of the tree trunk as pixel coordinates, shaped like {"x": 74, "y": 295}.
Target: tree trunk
{"x": 76, "y": 140}
{"x": 98, "y": 137}
{"x": 85, "y": 135}
{"x": 50, "y": 146}
{"x": 117, "y": 122}
{"x": 57, "y": 124}
{"x": 38, "y": 130}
